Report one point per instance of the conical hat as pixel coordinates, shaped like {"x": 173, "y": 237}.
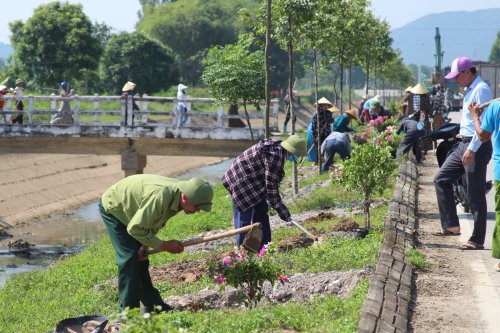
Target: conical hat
{"x": 334, "y": 109}
{"x": 128, "y": 86}
{"x": 408, "y": 89}
{"x": 2, "y": 87}
{"x": 419, "y": 89}
{"x": 323, "y": 100}
{"x": 352, "y": 113}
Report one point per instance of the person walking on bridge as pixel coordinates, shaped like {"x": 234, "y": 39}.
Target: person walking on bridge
{"x": 470, "y": 157}
{"x": 18, "y": 94}
{"x": 134, "y": 210}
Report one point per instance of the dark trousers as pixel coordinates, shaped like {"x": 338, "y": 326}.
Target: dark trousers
{"x": 19, "y": 118}
{"x": 134, "y": 281}
{"x": 475, "y": 175}
{"x": 257, "y": 213}
{"x": 332, "y": 147}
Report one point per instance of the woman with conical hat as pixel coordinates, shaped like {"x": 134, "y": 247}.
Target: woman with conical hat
{"x": 408, "y": 102}
{"x": 424, "y": 110}
{"x": 128, "y": 90}
{"x": 321, "y": 121}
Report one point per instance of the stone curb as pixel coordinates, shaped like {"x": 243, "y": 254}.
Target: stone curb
{"x": 386, "y": 306}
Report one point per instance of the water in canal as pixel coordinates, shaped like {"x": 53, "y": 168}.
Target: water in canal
{"x": 70, "y": 232}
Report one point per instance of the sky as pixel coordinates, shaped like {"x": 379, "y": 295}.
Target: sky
{"x": 122, "y": 14}
{"x": 399, "y": 12}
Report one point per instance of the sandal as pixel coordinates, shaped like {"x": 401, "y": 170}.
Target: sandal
{"x": 471, "y": 246}
{"x": 446, "y": 232}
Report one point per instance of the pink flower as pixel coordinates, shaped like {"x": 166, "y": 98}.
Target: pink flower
{"x": 379, "y": 141}
{"x": 227, "y": 260}
{"x": 390, "y": 138}
{"x": 263, "y": 251}
{"x": 219, "y": 280}
{"x": 284, "y": 278}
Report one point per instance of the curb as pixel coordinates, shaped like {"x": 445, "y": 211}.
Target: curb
{"x": 386, "y": 306}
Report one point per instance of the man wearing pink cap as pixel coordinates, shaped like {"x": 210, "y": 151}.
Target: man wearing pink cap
{"x": 471, "y": 157}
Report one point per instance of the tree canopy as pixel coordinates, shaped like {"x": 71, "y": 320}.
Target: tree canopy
{"x": 135, "y": 57}
{"x": 495, "y": 51}
{"x": 56, "y": 44}
{"x": 190, "y": 28}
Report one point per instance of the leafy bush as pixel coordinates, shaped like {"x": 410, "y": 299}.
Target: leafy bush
{"x": 368, "y": 169}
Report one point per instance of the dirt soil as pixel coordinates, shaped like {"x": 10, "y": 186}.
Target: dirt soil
{"x": 444, "y": 301}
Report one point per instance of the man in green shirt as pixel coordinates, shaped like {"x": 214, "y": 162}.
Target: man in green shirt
{"x": 134, "y": 210}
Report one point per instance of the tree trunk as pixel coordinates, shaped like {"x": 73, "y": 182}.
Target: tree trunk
{"x": 367, "y": 75}
{"x": 266, "y": 65}
{"x": 248, "y": 119}
{"x": 290, "y": 100}
{"x": 233, "y": 111}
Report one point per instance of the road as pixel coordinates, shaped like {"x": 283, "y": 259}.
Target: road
{"x": 487, "y": 280}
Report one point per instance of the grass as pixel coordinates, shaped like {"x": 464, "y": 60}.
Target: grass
{"x": 37, "y": 301}
{"x": 417, "y": 259}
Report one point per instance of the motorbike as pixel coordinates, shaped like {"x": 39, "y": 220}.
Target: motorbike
{"x": 448, "y": 133}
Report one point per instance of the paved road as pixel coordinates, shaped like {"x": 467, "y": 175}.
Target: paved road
{"x": 487, "y": 281}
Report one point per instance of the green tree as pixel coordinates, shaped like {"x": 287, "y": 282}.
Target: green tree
{"x": 189, "y": 27}
{"x": 495, "y": 51}
{"x": 367, "y": 171}
{"x": 135, "y": 57}
{"x": 232, "y": 72}
{"x": 55, "y": 44}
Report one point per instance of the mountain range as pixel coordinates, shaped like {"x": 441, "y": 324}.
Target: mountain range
{"x": 462, "y": 33}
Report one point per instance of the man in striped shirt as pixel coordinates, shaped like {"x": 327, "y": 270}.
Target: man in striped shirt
{"x": 253, "y": 181}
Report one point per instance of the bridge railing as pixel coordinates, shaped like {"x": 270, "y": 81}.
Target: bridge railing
{"x": 110, "y": 116}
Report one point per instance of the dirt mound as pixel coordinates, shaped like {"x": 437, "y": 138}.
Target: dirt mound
{"x": 346, "y": 225}
{"x": 180, "y": 272}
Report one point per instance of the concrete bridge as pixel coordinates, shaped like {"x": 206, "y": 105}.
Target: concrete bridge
{"x": 104, "y": 125}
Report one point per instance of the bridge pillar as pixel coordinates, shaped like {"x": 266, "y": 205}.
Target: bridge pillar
{"x": 132, "y": 162}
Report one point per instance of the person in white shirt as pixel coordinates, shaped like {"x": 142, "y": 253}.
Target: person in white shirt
{"x": 18, "y": 94}
{"x": 181, "y": 106}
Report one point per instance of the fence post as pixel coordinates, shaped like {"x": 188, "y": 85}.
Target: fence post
{"x": 31, "y": 107}
{"x": 76, "y": 112}
{"x": 220, "y": 122}
{"x": 130, "y": 111}
{"x": 123, "y": 103}
{"x": 144, "y": 108}
{"x": 176, "y": 118}
{"x": 53, "y": 102}
{"x": 96, "y": 108}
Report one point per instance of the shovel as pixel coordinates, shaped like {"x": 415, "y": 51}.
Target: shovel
{"x": 251, "y": 243}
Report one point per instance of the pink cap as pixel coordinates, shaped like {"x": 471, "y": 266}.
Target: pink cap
{"x": 458, "y": 65}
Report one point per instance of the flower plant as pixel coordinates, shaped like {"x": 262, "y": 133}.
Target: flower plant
{"x": 248, "y": 272}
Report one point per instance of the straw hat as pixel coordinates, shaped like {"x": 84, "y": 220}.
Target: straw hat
{"x": 128, "y": 86}
{"x": 408, "y": 89}
{"x": 419, "y": 89}
{"x": 2, "y": 87}
{"x": 323, "y": 100}
{"x": 352, "y": 114}
{"x": 334, "y": 109}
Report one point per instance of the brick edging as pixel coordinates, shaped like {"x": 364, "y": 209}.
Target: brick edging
{"x": 386, "y": 306}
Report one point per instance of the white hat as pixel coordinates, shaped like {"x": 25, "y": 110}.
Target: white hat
{"x": 128, "y": 86}
{"x": 181, "y": 86}
{"x": 2, "y": 87}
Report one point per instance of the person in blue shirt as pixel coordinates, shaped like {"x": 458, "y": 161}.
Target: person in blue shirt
{"x": 470, "y": 157}
{"x": 485, "y": 127}
{"x": 336, "y": 142}
{"x": 342, "y": 122}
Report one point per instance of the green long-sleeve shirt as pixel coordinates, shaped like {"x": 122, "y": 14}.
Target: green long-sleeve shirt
{"x": 144, "y": 203}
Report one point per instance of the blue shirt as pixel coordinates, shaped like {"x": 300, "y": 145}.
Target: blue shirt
{"x": 341, "y": 124}
{"x": 491, "y": 124}
{"x": 478, "y": 92}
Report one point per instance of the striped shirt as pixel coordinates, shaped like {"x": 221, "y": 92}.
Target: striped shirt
{"x": 255, "y": 176}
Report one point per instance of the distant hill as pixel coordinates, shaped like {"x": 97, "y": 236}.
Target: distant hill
{"x": 5, "y": 50}
{"x": 462, "y": 33}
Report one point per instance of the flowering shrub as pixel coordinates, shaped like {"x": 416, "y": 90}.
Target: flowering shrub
{"x": 381, "y": 123}
{"x": 388, "y": 138}
{"x": 248, "y": 272}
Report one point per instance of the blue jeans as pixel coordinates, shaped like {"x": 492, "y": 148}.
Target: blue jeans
{"x": 332, "y": 147}
{"x": 257, "y": 213}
